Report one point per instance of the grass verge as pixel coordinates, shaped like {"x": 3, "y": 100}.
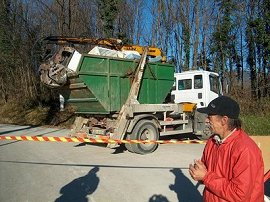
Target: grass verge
{"x": 256, "y": 125}
{"x": 35, "y": 115}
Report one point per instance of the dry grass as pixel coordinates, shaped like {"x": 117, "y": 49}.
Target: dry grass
{"x": 249, "y": 106}
{"x": 16, "y": 113}
{"x": 255, "y": 114}
{"x": 31, "y": 114}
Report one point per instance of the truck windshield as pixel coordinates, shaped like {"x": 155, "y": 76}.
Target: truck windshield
{"x": 214, "y": 83}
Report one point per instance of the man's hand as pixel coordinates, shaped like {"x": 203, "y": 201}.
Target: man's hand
{"x": 198, "y": 170}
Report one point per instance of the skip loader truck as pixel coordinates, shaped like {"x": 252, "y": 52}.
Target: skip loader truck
{"x": 127, "y": 92}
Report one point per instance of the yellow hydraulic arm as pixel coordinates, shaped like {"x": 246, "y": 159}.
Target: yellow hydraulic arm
{"x": 112, "y": 43}
{"x": 152, "y": 51}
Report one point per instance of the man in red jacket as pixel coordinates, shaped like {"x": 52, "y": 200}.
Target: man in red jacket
{"x": 231, "y": 167}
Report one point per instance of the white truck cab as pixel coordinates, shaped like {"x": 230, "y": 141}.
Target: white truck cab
{"x": 197, "y": 86}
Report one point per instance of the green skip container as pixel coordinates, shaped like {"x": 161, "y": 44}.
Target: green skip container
{"x": 102, "y": 84}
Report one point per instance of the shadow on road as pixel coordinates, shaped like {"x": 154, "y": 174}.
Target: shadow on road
{"x": 18, "y": 129}
{"x": 158, "y": 198}
{"x": 184, "y": 188}
{"x": 118, "y": 150}
{"x": 88, "y": 165}
{"x": 267, "y": 188}
{"x": 80, "y": 188}
{"x": 121, "y": 148}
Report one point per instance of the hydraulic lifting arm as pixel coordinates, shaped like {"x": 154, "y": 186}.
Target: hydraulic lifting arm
{"x": 112, "y": 43}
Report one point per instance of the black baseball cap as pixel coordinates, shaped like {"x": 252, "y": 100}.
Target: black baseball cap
{"x": 223, "y": 106}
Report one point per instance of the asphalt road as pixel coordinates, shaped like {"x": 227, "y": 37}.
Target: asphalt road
{"x": 53, "y": 171}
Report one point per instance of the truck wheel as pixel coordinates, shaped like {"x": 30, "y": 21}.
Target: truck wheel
{"x": 206, "y": 134}
{"x": 128, "y": 146}
{"x": 144, "y": 130}
{"x": 200, "y": 129}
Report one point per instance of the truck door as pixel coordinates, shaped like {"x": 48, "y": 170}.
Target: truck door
{"x": 214, "y": 89}
{"x": 199, "y": 90}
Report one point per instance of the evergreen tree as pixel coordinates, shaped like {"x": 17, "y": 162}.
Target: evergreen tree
{"x": 108, "y": 12}
{"x": 222, "y": 37}
{"x": 225, "y": 42}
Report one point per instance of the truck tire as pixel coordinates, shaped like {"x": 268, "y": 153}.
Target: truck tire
{"x": 206, "y": 134}
{"x": 202, "y": 131}
{"x": 128, "y": 145}
{"x": 144, "y": 130}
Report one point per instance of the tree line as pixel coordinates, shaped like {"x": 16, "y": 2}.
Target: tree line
{"x": 226, "y": 36}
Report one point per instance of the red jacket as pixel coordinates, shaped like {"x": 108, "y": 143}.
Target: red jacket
{"x": 235, "y": 170}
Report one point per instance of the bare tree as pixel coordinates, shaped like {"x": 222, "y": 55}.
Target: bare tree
{"x": 196, "y": 35}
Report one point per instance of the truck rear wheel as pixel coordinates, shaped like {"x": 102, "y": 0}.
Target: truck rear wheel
{"x": 144, "y": 130}
{"x": 201, "y": 130}
{"x": 128, "y": 145}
